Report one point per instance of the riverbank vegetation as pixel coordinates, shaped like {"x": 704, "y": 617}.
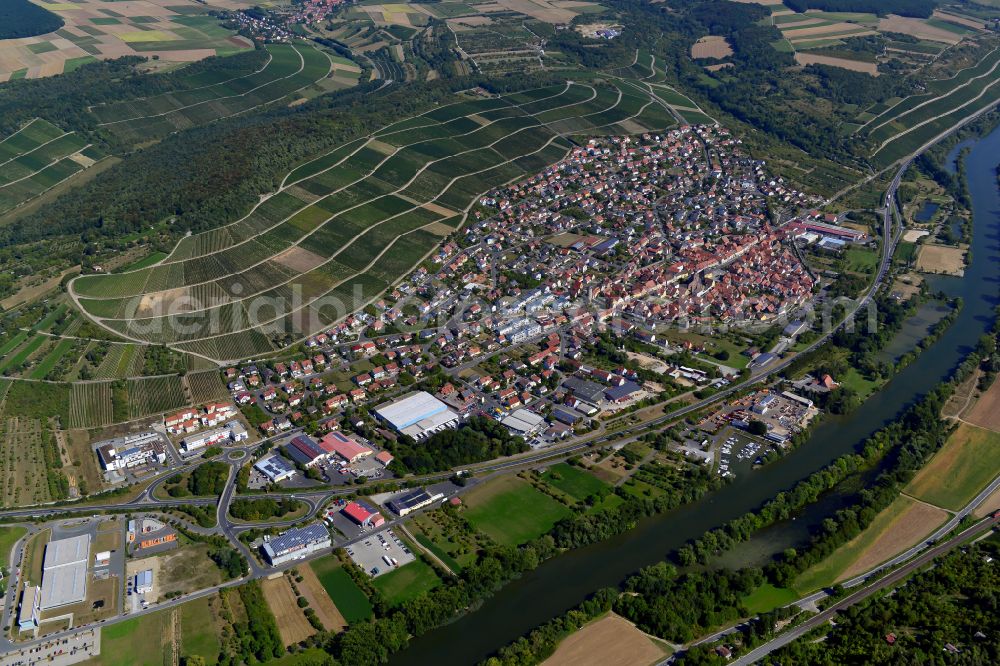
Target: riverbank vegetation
{"x": 945, "y": 612}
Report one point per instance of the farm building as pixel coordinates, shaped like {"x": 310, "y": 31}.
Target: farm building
{"x": 346, "y": 447}
{"x": 296, "y": 544}
{"x": 418, "y": 414}
{"x": 64, "y": 571}
{"x": 275, "y": 468}
{"x": 523, "y": 422}
{"x": 362, "y": 515}
{"x": 131, "y": 451}
{"x": 413, "y": 500}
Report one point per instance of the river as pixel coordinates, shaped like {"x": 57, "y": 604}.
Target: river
{"x": 564, "y": 581}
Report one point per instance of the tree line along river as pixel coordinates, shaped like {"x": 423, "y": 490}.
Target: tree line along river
{"x": 564, "y": 581}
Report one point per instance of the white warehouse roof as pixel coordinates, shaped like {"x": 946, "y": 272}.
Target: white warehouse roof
{"x": 417, "y": 414}
{"x": 64, "y": 571}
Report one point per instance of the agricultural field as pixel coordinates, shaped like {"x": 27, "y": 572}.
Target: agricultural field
{"x": 986, "y": 412}
{"x": 345, "y": 226}
{"x": 511, "y": 511}
{"x": 965, "y": 465}
{"x": 122, "y": 360}
{"x": 172, "y": 31}
{"x": 24, "y": 461}
{"x": 205, "y": 386}
{"x": 406, "y": 582}
{"x": 342, "y": 590}
{"x": 609, "y": 641}
{"x": 292, "y": 71}
{"x": 573, "y": 481}
{"x": 901, "y": 525}
{"x": 38, "y": 157}
{"x": 311, "y": 588}
{"x": 444, "y": 535}
{"x": 292, "y": 623}
{"x": 151, "y": 639}
{"x": 818, "y": 37}
{"x": 154, "y": 395}
{"x": 900, "y": 128}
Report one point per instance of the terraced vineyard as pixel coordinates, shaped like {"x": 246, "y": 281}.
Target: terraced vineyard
{"x": 902, "y": 128}
{"x": 290, "y": 68}
{"x": 38, "y": 157}
{"x": 345, "y": 226}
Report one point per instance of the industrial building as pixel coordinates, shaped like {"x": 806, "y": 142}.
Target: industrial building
{"x": 362, "y": 515}
{"x": 234, "y": 431}
{"x": 275, "y": 468}
{"x": 64, "y": 571}
{"x": 413, "y": 500}
{"x": 306, "y": 451}
{"x": 131, "y": 451}
{"x": 523, "y": 422}
{"x": 143, "y": 582}
{"x": 296, "y": 544}
{"x": 345, "y": 447}
{"x": 31, "y": 599}
{"x": 418, "y": 414}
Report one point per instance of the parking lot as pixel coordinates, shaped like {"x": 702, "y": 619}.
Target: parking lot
{"x": 371, "y": 553}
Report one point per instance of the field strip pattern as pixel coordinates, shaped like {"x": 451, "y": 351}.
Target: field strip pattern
{"x": 352, "y": 222}
{"x": 912, "y": 104}
{"x": 36, "y": 158}
{"x": 289, "y": 69}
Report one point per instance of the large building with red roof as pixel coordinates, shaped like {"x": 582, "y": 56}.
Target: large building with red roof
{"x": 362, "y": 515}
{"x": 346, "y": 447}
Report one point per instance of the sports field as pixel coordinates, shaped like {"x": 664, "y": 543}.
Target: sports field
{"x": 965, "y": 465}
{"x": 345, "y": 226}
{"x": 36, "y": 158}
{"x": 511, "y": 511}
{"x": 901, "y": 525}
{"x": 171, "y": 31}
